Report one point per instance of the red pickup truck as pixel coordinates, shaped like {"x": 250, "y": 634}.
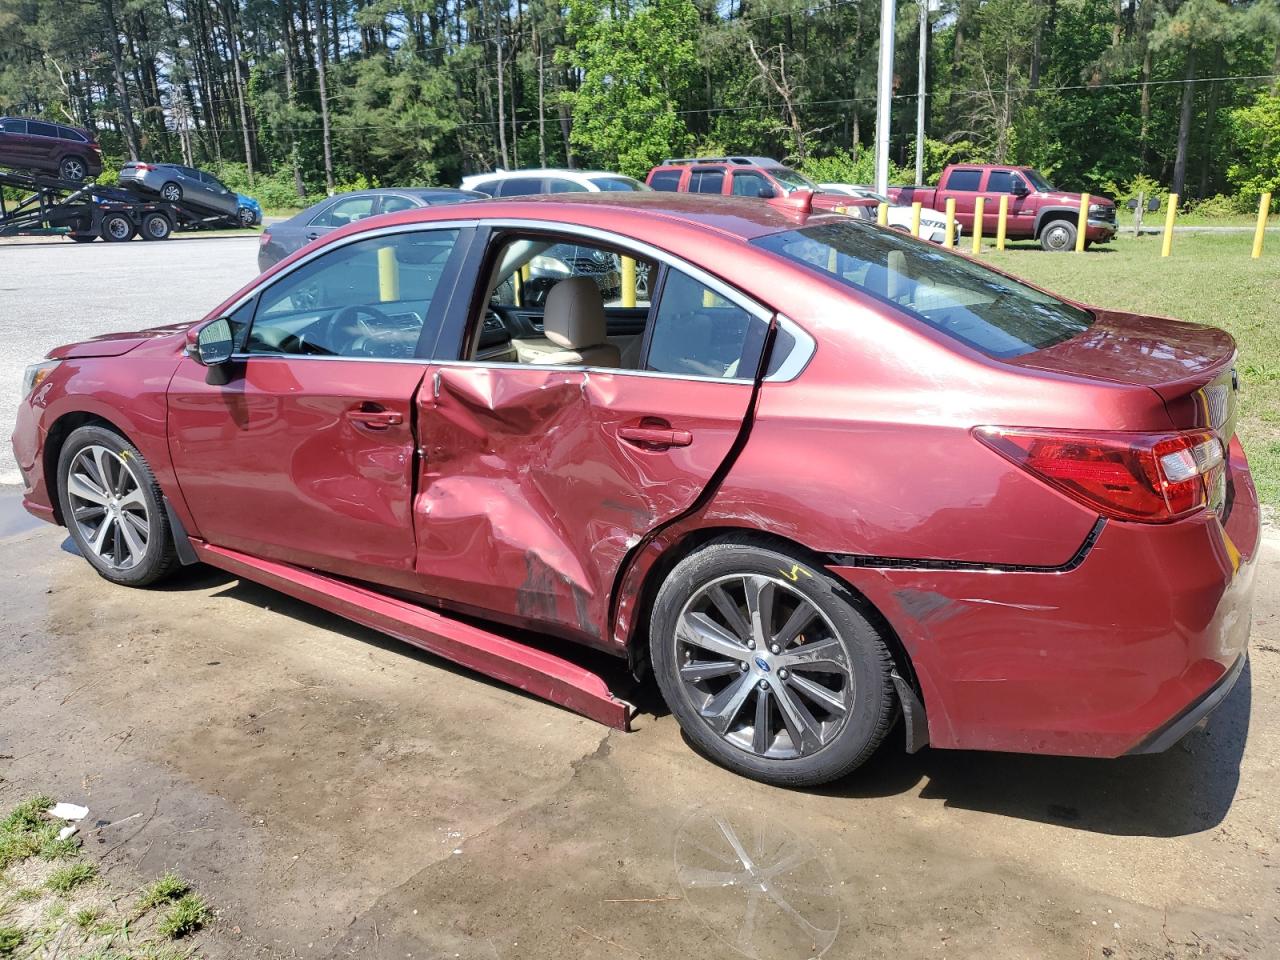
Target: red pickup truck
{"x": 1037, "y": 211}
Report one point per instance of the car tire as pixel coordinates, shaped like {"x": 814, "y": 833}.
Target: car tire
{"x": 246, "y": 217}
{"x": 736, "y": 700}
{"x": 171, "y": 193}
{"x": 1058, "y": 236}
{"x": 156, "y": 226}
{"x": 73, "y": 169}
{"x": 82, "y": 237}
{"x": 117, "y": 228}
{"x": 113, "y": 508}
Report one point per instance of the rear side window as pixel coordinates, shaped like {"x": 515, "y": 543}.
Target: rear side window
{"x": 964, "y": 180}
{"x": 520, "y": 187}
{"x": 37, "y": 129}
{"x": 981, "y": 308}
{"x": 66, "y": 133}
{"x": 998, "y": 181}
{"x": 706, "y": 181}
{"x": 696, "y": 332}
{"x": 666, "y": 180}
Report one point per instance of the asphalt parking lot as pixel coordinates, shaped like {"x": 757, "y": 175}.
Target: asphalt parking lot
{"x": 53, "y": 291}
{"x": 334, "y": 793}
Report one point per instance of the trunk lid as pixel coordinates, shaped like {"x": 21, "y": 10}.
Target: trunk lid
{"x": 1189, "y": 366}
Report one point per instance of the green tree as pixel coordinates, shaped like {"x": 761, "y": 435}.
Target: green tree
{"x": 1255, "y": 138}
{"x": 638, "y": 66}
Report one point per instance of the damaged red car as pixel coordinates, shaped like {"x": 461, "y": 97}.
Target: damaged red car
{"x": 811, "y": 475}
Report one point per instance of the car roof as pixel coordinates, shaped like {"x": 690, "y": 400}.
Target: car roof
{"x": 544, "y": 172}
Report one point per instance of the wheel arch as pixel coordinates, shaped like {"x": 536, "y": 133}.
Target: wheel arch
{"x": 1046, "y": 215}
{"x": 56, "y": 439}
{"x": 647, "y": 571}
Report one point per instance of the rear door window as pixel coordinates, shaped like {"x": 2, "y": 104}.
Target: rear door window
{"x": 983, "y": 309}
{"x": 696, "y": 332}
{"x": 666, "y": 180}
{"x": 395, "y": 203}
{"x": 561, "y": 185}
{"x": 344, "y": 212}
{"x": 964, "y": 180}
{"x": 13, "y": 126}
{"x": 706, "y": 181}
{"x": 520, "y": 187}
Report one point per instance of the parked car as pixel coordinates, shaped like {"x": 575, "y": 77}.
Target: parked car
{"x": 321, "y": 219}
{"x": 523, "y": 183}
{"x": 846, "y": 475}
{"x": 1037, "y": 211}
{"x": 748, "y": 177}
{"x": 932, "y": 226}
{"x": 175, "y": 183}
{"x": 249, "y": 211}
{"x": 70, "y": 153}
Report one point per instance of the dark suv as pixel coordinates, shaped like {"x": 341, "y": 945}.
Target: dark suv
{"x": 70, "y": 153}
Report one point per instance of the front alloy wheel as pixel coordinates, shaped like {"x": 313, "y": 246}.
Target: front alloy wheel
{"x": 113, "y": 508}
{"x": 769, "y": 664}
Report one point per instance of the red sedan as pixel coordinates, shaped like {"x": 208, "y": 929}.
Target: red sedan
{"x": 810, "y": 474}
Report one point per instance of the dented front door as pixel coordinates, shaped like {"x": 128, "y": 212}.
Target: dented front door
{"x": 538, "y": 481}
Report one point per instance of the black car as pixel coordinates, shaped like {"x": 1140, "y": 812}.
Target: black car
{"x": 282, "y": 239}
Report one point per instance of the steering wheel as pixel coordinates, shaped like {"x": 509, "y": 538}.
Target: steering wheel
{"x": 347, "y": 329}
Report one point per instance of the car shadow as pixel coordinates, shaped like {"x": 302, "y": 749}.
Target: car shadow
{"x": 1187, "y": 789}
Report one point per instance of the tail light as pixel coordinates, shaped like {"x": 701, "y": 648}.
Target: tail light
{"x": 1147, "y": 477}
{"x": 266, "y": 238}
{"x": 142, "y": 167}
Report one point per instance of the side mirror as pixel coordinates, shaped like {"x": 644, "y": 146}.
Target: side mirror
{"x": 214, "y": 343}
{"x": 1018, "y": 188}
{"x": 767, "y": 192}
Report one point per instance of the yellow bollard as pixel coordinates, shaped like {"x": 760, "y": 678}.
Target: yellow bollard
{"x": 978, "y": 204}
{"x": 628, "y": 282}
{"x": 388, "y": 275}
{"x": 915, "y": 218}
{"x": 832, "y": 260}
{"x": 882, "y": 214}
{"x": 950, "y": 240}
{"x": 1002, "y": 221}
{"x": 1264, "y": 208}
{"x": 1166, "y": 247}
{"x": 1082, "y": 222}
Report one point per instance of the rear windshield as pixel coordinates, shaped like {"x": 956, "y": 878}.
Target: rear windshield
{"x": 979, "y": 307}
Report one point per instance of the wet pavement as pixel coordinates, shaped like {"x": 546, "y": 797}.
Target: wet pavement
{"x": 334, "y": 793}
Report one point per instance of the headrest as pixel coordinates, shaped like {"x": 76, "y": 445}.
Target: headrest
{"x": 574, "y": 314}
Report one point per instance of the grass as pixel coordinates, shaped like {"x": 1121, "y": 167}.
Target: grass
{"x": 187, "y": 915}
{"x": 51, "y": 903}
{"x": 1211, "y": 279}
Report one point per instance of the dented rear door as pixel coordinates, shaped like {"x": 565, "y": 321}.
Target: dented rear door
{"x": 537, "y": 481}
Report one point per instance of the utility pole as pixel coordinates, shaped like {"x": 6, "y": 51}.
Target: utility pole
{"x": 920, "y": 89}
{"x": 884, "y": 92}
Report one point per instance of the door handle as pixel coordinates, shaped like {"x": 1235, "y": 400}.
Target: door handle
{"x": 655, "y": 436}
{"x": 374, "y": 417}
{"x": 313, "y": 236}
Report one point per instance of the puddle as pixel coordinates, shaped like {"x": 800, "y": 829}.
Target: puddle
{"x": 13, "y": 519}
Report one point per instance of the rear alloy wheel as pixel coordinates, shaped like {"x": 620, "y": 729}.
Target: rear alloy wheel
{"x": 769, "y": 666}
{"x": 113, "y": 509}
{"x": 1058, "y": 236}
{"x": 171, "y": 193}
{"x": 156, "y": 226}
{"x": 73, "y": 168}
{"x": 116, "y": 228}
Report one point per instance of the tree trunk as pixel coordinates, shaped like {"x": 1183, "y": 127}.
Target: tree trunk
{"x": 238, "y": 77}
{"x": 1145, "y": 104}
{"x": 127, "y": 128}
{"x": 1210, "y": 122}
{"x": 322, "y": 81}
{"x": 542, "y": 113}
{"x": 1184, "y": 123}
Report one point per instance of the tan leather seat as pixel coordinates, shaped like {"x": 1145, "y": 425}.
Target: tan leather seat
{"x": 574, "y": 321}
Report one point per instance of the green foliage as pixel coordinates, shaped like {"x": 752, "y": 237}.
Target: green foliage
{"x": 637, "y": 66}
{"x": 186, "y": 916}
{"x": 1255, "y": 138}
{"x": 65, "y": 879}
{"x": 27, "y": 832}
{"x": 167, "y": 888}
{"x": 10, "y": 940}
{"x": 842, "y": 167}
{"x": 86, "y": 917}
{"x": 1141, "y": 184}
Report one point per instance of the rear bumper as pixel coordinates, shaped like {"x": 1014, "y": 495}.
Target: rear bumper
{"x": 1121, "y": 652}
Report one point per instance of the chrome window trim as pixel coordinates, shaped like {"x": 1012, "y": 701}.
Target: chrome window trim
{"x": 791, "y": 367}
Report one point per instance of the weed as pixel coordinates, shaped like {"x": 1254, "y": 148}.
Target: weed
{"x": 167, "y": 888}
{"x": 65, "y": 879}
{"x": 187, "y": 915}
